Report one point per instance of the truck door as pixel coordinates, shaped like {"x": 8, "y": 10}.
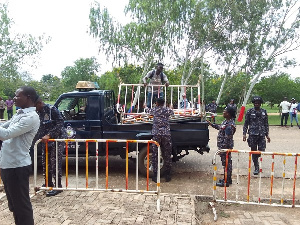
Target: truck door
{"x": 79, "y": 112}
{"x": 74, "y": 110}
{"x": 109, "y": 110}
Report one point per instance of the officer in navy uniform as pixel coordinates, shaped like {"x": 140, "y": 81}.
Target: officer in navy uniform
{"x": 162, "y": 134}
{"x": 51, "y": 127}
{"x": 225, "y": 141}
{"x": 257, "y": 126}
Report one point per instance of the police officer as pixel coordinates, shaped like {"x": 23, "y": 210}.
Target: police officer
{"x": 225, "y": 141}
{"x": 162, "y": 134}
{"x": 51, "y": 127}
{"x": 257, "y": 126}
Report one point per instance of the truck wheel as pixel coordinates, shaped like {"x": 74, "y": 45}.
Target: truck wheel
{"x": 143, "y": 162}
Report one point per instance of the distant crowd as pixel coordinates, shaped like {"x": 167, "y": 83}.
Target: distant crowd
{"x": 289, "y": 109}
{"x": 8, "y": 106}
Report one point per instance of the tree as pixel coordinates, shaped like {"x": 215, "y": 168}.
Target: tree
{"x": 52, "y": 87}
{"x": 281, "y": 82}
{"x": 156, "y": 24}
{"x": 84, "y": 69}
{"x": 270, "y": 30}
{"x": 13, "y": 49}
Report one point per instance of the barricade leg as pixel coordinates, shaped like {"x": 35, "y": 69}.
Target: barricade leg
{"x": 249, "y": 177}
{"x": 237, "y": 177}
{"x": 295, "y": 177}
{"x": 214, "y": 177}
{"x": 259, "y": 184}
{"x": 272, "y": 179}
{"x": 283, "y": 179}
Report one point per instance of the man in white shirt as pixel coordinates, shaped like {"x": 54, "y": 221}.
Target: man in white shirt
{"x": 15, "y": 162}
{"x": 285, "y": 109}
{"x": 184, "y": 104}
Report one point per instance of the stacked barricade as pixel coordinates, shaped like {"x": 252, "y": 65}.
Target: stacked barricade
{"x": 96, "y": 188}
{"x": 258, "y": 192}
{"x": 132, "y": 99}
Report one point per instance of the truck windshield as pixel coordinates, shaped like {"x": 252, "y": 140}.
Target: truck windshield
{"x": 72, "y": 107}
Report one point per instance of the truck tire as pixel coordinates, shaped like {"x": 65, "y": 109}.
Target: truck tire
{"x": 142, "y": 160}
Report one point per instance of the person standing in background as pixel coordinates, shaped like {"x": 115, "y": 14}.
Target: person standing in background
{"x": 285, "y": 109}
{"x": 2, "y": 108}
{"x": 234, "y": 106}
{"x": 9, "y": 105}
{"x": 184, "y": 104}
{"x": 212, "y": 108}
{"x": 17, "y": 135}
{"x": 294, "y": 112}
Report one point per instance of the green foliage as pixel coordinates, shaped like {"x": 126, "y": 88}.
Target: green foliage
{"x": 151, "y": 34}
{"x": 52, "y": 87}
{"x": 84, "y": 69}
{"x": 13, "y": 49}
{"x": 274, "y": 88}
{"x": 235, "y": 88}
{"x": 212, "y": 83}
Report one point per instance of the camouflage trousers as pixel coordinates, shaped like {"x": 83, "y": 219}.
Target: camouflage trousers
{"x": 229, "y": 164}
{"x": 256, "y": 143}
{"x": 166, "y": 151}
{"x": 52, "y": 159}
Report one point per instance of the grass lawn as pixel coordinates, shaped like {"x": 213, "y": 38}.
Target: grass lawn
{"x": 273, "y": 119}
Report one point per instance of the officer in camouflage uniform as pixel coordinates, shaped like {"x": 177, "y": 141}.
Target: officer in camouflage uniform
{"x": 225, "y": 141}
{"x": 51, "y": 127}
{"x": 161, "y": 134}
{"x": 257, "y": 126}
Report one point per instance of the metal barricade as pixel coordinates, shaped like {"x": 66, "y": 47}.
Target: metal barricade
{"x": 96, "y": 188}
{"x": 132, "y": 108}
{"x": 270, "y": 200}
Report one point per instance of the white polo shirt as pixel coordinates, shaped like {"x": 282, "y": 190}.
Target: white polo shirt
{"x": 285, "y": 106}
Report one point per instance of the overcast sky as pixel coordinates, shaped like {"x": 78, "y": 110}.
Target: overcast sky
{"x": 67, "y": 23}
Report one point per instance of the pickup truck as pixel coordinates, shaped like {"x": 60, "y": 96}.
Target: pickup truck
{"x": 92, "y": 114}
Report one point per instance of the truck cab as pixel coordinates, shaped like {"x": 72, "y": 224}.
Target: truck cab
{"x": 91, "y": 114}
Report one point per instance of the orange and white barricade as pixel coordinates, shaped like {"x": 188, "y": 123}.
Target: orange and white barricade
{"x": 260, "y": 187}
{"x": 96, "y": 187}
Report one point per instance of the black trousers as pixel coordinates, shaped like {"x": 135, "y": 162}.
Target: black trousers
{"x": 16, "y": 186}
{"x": 284, "y": 116}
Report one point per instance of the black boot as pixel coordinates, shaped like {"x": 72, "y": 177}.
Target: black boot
{"x": 256, "y": 169}
{"x": 168, "y": 176}
{"x": 255, "y": 158}
{"x": 154, "y": 177}
{"x": 221, "y": 183}
{"x": 55, "y": 192}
